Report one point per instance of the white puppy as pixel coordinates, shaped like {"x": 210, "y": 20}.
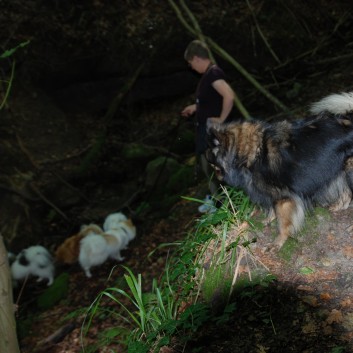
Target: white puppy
{"x": 123, "y": 227}
{"x": 113, "y": 220}
{"x": 96, "y": 248}
{"x": 69, "y": 250}
{"x": 128, "y": 228}
{"x": 33, "y": 261}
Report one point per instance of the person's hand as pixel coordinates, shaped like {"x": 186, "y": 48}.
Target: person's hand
{"x": 189, "y": 110}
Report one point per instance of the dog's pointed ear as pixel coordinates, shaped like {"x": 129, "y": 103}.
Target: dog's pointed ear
{"x": 214, "y": 135}
{"x": 211, "y": 125}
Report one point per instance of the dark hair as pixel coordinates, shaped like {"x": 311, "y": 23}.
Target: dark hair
{"x": 197, "y": 48}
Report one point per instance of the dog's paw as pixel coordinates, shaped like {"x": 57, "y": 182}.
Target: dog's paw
{"x": 275, "y": 247}
{"x": 271, "y": 249}
{"x": 119, "y": 258}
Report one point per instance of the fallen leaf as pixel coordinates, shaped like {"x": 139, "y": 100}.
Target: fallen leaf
{"x": 334, "y": 316}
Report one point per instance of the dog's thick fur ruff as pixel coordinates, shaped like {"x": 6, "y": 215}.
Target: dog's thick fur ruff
{"x": 287, "y": 166}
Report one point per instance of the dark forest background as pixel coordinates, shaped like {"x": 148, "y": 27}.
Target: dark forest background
{"x": 97, "y": 80}
{"x": 91, "y": 123}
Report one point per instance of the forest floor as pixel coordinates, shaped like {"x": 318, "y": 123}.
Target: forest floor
{"x": 309, "y": 308}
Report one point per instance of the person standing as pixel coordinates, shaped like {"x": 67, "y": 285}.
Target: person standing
{"x": 214, "y": 104}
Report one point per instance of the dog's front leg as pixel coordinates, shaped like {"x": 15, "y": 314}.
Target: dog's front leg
{"x": 290, "y": 217}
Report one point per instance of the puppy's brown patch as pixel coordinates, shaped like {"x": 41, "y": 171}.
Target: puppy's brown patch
{"x": 110, "y": 239}
{"x": 68, "y": 251}
{"x": 91, "y": 228}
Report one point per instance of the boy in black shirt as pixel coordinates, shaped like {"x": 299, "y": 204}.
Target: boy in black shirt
{"x": 214, "y": 104}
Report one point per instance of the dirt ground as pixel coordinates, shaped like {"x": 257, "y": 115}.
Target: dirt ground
{"x": 309, "y": 308}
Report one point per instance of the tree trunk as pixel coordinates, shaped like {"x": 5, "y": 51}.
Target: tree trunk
{"x": 8, "y": 336}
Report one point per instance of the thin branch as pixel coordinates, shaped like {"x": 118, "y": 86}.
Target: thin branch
{"x": 8, "y": 86}
{"x": 26, "y": 152}
{"x": 36, "y": 190}
{"x": 197, "y": 32}
{"x": 213, "y": 45}
{"x": 17, "y": 192}
{"x": 247, "y": 75}
{"x": 120, "y": 95}
{"x": 262, "y": 35}
{"x": 57, "y": 336}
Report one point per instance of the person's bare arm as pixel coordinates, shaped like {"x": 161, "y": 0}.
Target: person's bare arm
{"x": 223, "y": 88}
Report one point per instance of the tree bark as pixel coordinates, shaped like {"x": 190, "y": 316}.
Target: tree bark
{"x": 8, "y": 335}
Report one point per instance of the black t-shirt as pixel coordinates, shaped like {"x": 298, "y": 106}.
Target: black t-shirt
{"x": 208, "y": 104}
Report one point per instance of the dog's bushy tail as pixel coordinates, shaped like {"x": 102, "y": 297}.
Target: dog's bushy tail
{"x": 339, "y": 103}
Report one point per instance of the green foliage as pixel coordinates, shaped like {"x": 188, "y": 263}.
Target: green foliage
{"x": 142, "y": 207}
{"x": 306, "y": 270}
{"x": 217, "y": 285}
{"x": 10, "y": 52}
{"x": 338, "y": 349}
{"x": 310, "y": 230}
{"x": 288, "y": 249}
{"x": 180, "y": 180}
{"x": 137, "y": 151}
{"x": 53, "y": 294}
{"x": 167, "y": 178}
{"x": 92, "y": 156}
{"x": 6, "y": 55}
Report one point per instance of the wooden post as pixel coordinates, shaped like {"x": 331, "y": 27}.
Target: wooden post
{"x": 8, "y": 335}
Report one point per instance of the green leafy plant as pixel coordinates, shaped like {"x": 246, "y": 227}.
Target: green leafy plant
{"x": 151, "y": 313}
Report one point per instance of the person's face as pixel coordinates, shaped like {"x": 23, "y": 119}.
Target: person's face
{"x": 196, "y": 64}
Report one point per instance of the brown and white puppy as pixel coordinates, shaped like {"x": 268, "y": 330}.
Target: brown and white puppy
{"x": 68, "y": 251}
{"x": 92, "y": 246}
{"x": 95, "y": 249}
{"x": 123, "y": 225}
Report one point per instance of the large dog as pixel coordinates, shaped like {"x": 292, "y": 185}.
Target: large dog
{"x": 288, "y": 167}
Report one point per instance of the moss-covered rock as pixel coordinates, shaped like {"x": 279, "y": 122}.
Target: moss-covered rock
{"x": 133, "y": 151}
{"x": 167, "y": 180}
{"x": 53, "y": 294}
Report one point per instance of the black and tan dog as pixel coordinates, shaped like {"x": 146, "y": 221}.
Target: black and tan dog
{"x": 288, "y": 167}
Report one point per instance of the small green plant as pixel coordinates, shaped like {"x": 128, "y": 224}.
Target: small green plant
{"x": 338, "y": 349}
{"x": 8, "y": 53}
{"x": 148, "y": 312}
